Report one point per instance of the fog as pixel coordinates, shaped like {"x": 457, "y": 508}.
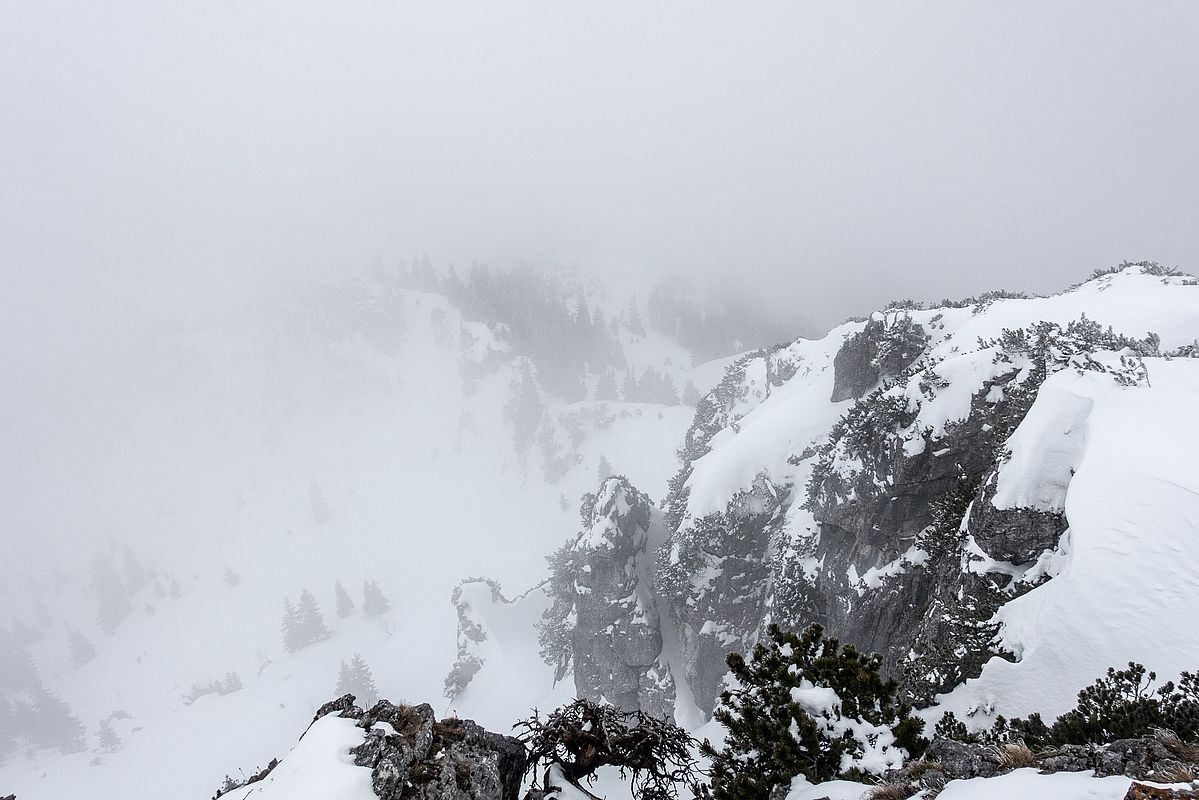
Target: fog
{"x": 843, "y": 152}
{"x": 181, "y": 185}
{"x": 163, "y": 163}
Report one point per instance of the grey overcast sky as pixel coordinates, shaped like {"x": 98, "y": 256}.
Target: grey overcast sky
{"x": 849, "y": 152}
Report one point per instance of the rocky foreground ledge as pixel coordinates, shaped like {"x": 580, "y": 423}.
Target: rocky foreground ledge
{"x": 414, "y": 756}
{"x": 1160, "y": 758}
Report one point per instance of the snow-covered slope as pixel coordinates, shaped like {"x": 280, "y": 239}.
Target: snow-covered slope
{"x": 1125, "y": 587}
{"x": 206, "y": 452}
{"x": 915, "y": 481}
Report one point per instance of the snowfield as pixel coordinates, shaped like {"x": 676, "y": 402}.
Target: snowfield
{"x": 1124, "y": 586}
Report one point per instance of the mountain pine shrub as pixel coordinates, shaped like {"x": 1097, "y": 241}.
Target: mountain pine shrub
{"x": 804, "y": 705}
{"x": 1120, "y": 705}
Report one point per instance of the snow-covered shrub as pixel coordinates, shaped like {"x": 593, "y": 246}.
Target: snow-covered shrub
{"x": 804, "y": 705}
{"x": 1123, "y": 704}
{"x": 222, "y": 686}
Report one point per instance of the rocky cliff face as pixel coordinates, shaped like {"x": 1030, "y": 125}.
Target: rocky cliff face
{"x": 603, "y": 622}
{"x": 858, "y": 481}
{"x": 883, "y": 349}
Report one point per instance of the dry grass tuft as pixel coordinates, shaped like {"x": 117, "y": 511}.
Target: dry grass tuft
{"x": 921, "y": 767}
{"x": 1175, "y": 772}
{"x": 1012, "y": 755}
{"x": 1180, "y": 749}
{"x": 892, "y": 791}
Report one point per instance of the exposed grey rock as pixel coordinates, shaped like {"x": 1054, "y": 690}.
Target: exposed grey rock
{"x": 716, "y": 577}
{"x": 413, "y": 756}
{"x": 603, "y": 622}
{"x": 470, "y": 636}
{"x": 884, "y": 348}
{"x": 1142, "y": 759}
{"x": 960, "y": 760}
{"x": 898, "y": 548}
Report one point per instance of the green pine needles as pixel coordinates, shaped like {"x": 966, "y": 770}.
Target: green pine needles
{"x": 804, "y": 705}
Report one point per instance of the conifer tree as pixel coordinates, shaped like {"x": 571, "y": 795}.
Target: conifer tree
{"x": 52, "y": 724}
{"x": 345, "y": 605}
{"x": 82, "y": 650}
{"x": 8, "y": 725}
{"x": 629, "y": 390}
{"x": 231, "y": 577}
{"x": 291, "y": 627}
{"x": 317, "y": 505}
{"x": 23, "y": 633}
{"x": 669, "y": 395}
{"x": 374, "y": 602}
{"x": 603, "y": 469}
{"x": 112, "y": 599}
{"x": 355, "y": 678}
{"x": 41, "y": 613}
{"x": 109, "y": 741}
{"x": 312, "y": 622}
{"x": 136, "y": 576}
{"x": 636, "y": 326}
{"x": 690, "y": 395}
{"x": 784, "y": 721}
{"x": 523, "y": 410}
{"x": 606, "y": 388}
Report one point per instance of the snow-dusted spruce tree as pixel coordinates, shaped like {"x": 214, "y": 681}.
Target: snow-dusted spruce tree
{"x": 50, "y": 722}
{"x": 355, "y": 678}
{"x": 633, "y": 320}
{"x": 291, "y": 627}
{"x": 523, "y": 411}
{"x": 804, "y": 705}
{"x": 374, "y": 602}
{"x": 303, "y": 624}
{"x": 345, "y": 606}
{"x": 318, "y": 506}
{"x": 136, "y": 576}
{"x": 82, "y": 650}
{"x": 606, "y": 388}
{"x": 112, "y": 599}
{"x": 629, "y": 391}
{"x": 41, "y": 613}
{"x": 312, "y": 622}
{"x": 109, "y": 741}
{"x": 23, "y": 633}
{"x": 8, "y": 725}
